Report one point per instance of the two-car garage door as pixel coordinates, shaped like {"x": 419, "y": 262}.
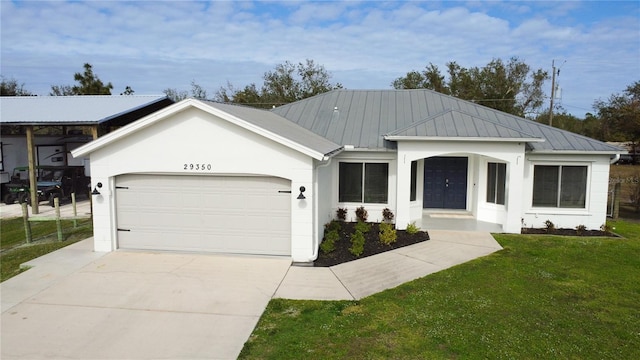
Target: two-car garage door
{"x": 227, "y": 214}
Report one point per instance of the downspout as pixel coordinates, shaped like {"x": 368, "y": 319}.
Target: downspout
{"x": 615, "y": 159}
{"x": 316, "y": 239}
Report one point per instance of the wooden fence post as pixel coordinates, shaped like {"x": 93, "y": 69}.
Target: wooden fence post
{"x": 75, "y": 210}
{"x": 616, "y": 200}
{"x": 27, "y": 226}
{"x": 56, "y": 203}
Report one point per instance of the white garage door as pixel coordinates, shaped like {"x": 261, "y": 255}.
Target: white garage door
{"x": 228, "y": 214}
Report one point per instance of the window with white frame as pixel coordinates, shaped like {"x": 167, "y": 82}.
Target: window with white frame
{"x": 363, "y": 182}
{"x": 496, "y": 180}
{"x": 561, "y": 186}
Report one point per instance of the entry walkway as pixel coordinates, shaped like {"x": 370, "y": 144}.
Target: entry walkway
{"x": 461, "y": 221}
{"x": 81, "y": 304}
{"x": 357, "y": 279}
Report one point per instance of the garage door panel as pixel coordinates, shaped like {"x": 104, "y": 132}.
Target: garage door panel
{"x": 204, "y": 213}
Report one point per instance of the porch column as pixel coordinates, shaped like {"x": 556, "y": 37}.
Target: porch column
{"x": 403, "y": 191}
{"x": 513, "y": 223}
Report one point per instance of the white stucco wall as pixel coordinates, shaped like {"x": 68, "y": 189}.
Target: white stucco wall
{"x": 519, "y": 184}
{"x": 194, "y": 136}
{"x": 374, "y": 210}
{"x": 324, "y": 184}
{"x": 416, "y": 205}
{"x": 593, "y": 216}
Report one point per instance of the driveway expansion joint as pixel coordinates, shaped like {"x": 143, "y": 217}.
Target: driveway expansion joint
{"x": 343, "y": 284}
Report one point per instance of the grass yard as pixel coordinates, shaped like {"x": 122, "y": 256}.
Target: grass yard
{"x": 15, "y": 250}
{"x": 541, "y": 297}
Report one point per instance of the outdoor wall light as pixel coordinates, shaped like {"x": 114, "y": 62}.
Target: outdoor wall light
{"x": 95, "y": 189}
{"x": 301, "y": 196}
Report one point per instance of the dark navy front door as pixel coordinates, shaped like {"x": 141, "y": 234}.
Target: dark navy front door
{"x": 445, "y": 183}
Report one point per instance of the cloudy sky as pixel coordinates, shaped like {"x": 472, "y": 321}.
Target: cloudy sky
{"x": 154, "y": 45}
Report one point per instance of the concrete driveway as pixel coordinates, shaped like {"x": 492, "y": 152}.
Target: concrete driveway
{"x": 78, "y": 304}
{"x": 125, "y": 305}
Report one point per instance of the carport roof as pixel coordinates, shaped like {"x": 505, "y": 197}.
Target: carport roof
{"x": 78, "y": 110}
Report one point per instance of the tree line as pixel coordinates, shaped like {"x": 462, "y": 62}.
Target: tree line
{"x": 510, "y": 86}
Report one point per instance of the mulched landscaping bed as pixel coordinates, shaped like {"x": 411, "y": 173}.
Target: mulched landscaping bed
{"x": 372, "y": 245}
{"x": 567, "y": 232}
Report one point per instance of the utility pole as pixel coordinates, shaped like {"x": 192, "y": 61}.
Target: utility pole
{"x": 553, "y": 91}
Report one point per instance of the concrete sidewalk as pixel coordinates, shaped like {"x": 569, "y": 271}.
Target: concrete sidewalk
{"x": 46, "y": 271}
{"x": 78, "y": 304}
{"x": 357, "y": 279}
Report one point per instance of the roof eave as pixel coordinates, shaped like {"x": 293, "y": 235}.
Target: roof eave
{"x": 181, "y": 106}
{"x": 259, "y": 130}
{"x": 61, "y": 123}
{"x": 575, "y": 152}
{"x": 333, "y": 153}
{"x": 460, "y": 138}
{"x": 128, "y": 129}
{"x": 141, "y": 106}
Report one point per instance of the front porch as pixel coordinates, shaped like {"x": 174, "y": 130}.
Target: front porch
{"x": 460, "y": 185}
{"x": 457, "y": 221}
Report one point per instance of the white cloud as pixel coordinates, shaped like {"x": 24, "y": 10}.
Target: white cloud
{"x": 153, "y": 45}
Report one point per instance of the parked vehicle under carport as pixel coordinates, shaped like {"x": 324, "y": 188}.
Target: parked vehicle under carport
{"x": 53, "y": 182}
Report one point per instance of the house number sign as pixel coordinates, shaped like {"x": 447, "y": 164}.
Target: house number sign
{"x": 197, "y": 167}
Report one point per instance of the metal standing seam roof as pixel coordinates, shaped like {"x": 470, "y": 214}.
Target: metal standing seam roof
{"x": 278, "y": 125}
{"x": 454, "y": 124}
{"x": 70, "y": 110}
{"x": 362, "y": 118}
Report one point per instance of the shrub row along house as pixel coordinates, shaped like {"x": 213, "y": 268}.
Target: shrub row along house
{"x": 206, "y": 176}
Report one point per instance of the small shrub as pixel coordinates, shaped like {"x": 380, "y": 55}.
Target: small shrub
{"x": 329, "y": 243}
{"x": 333, "y": 235}
{"x": 412, "y": 228}
{"x": 549, "y": 226}
{"x": 606, "y": 228}
{"x": 363, "y": 227}
{"x": 388, "y": 234}
{"x": 580, "y": 229}
{"x": 327, "y": 246}
{"x": 332, "y": 225}
{"x": 362, "y": 214}
{"x": 341, "y": 214}
{"x": 357, "y": 243}
{"x": 387, "y": 215}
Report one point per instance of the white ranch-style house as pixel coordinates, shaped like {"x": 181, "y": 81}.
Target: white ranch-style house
{"x": 206, "y": 176}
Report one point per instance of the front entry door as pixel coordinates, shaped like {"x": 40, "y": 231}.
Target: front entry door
{"x": 445, "y": 183}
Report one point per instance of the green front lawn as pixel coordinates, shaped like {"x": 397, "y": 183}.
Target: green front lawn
{"x": 546, "y": 297}
{"x": 15, "y": 250}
